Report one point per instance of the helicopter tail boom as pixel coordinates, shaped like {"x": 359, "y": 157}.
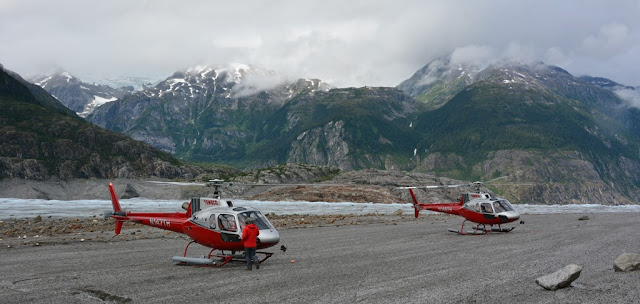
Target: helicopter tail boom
{"x": 450, "y": 208}
{"x": 172, "y": 221}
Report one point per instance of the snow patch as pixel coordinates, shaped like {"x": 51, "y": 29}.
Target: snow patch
{"x": 67, "y": 75}
{"x": 44, "y": 82}
{"x": 96, "y": 102}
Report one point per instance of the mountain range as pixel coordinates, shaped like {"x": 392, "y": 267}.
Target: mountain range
{"x": 41, "y": 139}
{"x": 577, "y": 138}
{"x": 79, "y": 96}
{"x": 203, "y": 114}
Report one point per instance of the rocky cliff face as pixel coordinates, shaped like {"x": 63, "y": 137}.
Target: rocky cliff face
{"x": 323, "y": 145}
{"x": 562, "y": 177}
{"x": 348, "y": 128}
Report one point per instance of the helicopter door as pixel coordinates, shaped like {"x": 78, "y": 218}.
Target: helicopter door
{"x": 486, "y": 208}
{"x": 228, "y": 228}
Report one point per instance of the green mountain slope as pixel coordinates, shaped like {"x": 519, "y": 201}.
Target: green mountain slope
{"x": 40, "y": 140}
{"x": 529, "y": 116}
{"x": 349, "y": 128}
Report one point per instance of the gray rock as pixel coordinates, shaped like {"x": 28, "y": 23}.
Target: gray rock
{"x": 129, "y": 192}
{"x": 561, "y": 278}
{"x": 583, "y": 218}
{"x": 627, "y": 262}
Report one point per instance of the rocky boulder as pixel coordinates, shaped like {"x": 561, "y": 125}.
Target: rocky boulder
{"x": 561, "y": 278}
{"x": 129, "y": 192}
{"x": 627, "y": 262}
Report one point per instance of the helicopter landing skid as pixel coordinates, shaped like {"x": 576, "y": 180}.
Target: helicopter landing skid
{"x": 243, "y": 259}
{"x": 216, "y": 260}
{"x": 480, "y": 229}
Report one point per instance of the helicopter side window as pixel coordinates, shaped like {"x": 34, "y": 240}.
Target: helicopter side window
{"x": 486, "y": 208}
{"x": 227, "y": 222}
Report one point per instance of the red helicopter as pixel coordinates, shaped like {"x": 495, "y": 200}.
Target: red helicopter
{"x": 211, "y": 222}
{"x": 478, "y": 207}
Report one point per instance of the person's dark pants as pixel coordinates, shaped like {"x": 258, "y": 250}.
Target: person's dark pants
{"x": 250, "y": 254}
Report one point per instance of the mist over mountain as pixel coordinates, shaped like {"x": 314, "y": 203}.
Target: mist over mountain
{"x": 627, "y": 93}
{"x": 439, "y": 81}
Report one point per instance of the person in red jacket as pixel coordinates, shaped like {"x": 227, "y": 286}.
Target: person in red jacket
{"x": 249, "y": 237}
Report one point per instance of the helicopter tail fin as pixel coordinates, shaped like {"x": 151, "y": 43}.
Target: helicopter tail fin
{"x": 118, "y": 227}
{"x": 415, "y": 203}
{"x": 117, "y": 210}
{"x": 114, "y": 199}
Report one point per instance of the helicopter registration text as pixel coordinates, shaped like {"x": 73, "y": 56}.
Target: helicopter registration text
{"x": 445, "y": 209}
{"x": 160, "y": 222}
{"x": 212, "y": 202}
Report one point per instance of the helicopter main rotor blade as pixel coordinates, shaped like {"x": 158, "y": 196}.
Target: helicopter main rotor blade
{"x": 241, "y": 183}
{"x": 433, "y": 187}
{"x": 514, "y": 184}
{"x": 177, "y": 183}
{"x": 495, "y": 179}
{"x": 284, "y": 185}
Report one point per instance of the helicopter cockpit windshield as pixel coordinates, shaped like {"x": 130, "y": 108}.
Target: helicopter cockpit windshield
{"x": 502, "y": 206}
{"x": 258, "y": 219}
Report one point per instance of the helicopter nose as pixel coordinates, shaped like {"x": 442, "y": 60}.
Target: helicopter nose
{"x": 509, "y": 216}
{"x": 268, "y": 237}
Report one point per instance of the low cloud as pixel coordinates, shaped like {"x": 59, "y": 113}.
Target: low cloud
{"x": 478, "y": 55}
{"x": 256, "y": 80}
{"x": 612, "y": 39}
{"x": 631, "y": 96}
{"x": 346, "y": 43}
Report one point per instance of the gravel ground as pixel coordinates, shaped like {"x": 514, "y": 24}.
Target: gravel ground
{"x": 370, "y": 259}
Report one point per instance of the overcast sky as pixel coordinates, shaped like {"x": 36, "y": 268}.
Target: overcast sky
{"x": 343, "y": 42}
